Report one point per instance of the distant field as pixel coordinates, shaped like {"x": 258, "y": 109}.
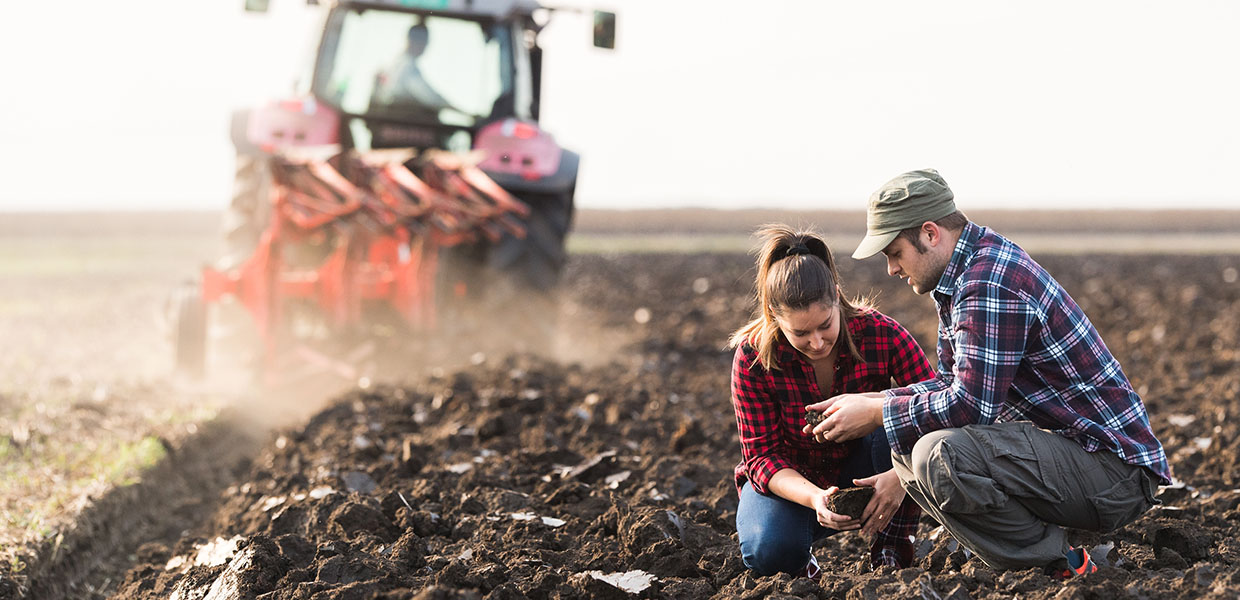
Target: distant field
{"x": 701, "y": 230}
{"x": 1033, "y": 242}
{"x": 173, "y": 236}
{"x": 853, "y": 222}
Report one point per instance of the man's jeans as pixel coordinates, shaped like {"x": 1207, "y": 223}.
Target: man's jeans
{"x": 1006, "y": 490}
{"x": 776, "y": 534}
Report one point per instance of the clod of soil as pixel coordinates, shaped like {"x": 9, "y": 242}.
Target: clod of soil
{"x": 850, "y": 501}
{"x": 813, "y": 417}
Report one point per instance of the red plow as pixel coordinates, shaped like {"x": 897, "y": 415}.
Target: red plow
{"x": 346, "y": 234}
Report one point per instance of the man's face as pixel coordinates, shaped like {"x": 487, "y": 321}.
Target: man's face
{"x": 922, "y": 268}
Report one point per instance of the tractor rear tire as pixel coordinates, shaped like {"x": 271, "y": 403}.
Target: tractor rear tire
{"x": 510, "y": 284}
{"x": 537, "y": 261}
{"x": 190, "y": 330}
{"x": 527, "y": 271}
{"x": 249, "y": 211}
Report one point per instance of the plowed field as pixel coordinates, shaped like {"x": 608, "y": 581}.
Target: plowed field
{"x": 604, "y": 468}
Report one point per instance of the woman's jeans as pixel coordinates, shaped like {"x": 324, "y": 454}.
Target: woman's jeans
{"x": 776, "y": 534}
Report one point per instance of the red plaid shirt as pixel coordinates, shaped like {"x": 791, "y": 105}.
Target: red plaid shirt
{"x": 770, "y": 412}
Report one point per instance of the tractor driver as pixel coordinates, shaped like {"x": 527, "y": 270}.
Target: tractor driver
{"x": 402, "y": 86}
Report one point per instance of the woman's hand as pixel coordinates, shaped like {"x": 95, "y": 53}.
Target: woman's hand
{"x": 888, "y": 495}
{"x": 826, "y": 518}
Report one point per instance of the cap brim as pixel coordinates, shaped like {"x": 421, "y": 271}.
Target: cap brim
{"x": 873, "y": 244}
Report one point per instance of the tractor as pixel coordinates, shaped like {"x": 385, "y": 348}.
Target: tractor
{"x": 409, "y": 179}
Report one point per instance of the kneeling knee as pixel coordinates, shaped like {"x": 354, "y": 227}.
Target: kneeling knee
{"x": 767, "y": 555}
{"x": 929, "y": 459}
{"x": 952, "y": 473}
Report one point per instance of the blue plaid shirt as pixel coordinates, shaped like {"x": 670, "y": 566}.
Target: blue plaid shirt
{"x": 1014, "y": 346}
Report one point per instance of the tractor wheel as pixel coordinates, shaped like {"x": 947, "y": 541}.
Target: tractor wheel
{"x": 536, "y": 262}
{"x": 190, "y": 330}
{"x": 527, "y": 271}
{"x": 250, "y": 209}
{"x": 511, "y": 283}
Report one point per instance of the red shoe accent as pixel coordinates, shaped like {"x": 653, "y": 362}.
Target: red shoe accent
{"x": 1079, "y": 562}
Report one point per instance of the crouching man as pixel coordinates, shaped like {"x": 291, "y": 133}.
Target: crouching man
{"x": 1030, "y": 425}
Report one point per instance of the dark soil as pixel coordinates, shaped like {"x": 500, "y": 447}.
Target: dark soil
{"x": 814, "y": 417}
{"x": 526, "y": 477}
{"x": 850, "y": 501}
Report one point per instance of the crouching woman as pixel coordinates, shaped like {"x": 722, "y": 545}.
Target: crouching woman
{"x": 807, "y": 343}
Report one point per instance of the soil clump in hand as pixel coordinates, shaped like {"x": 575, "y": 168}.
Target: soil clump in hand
{"x": 813, "y": 417}
{"x": 850, "y": 501}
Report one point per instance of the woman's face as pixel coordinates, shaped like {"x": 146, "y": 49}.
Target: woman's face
{"x": 813, "y": 330}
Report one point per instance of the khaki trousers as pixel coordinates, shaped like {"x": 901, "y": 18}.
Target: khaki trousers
{"x": 1007, "y": 490}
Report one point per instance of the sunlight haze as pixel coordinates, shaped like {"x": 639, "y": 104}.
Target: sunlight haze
{"x": 1108, "y": 104}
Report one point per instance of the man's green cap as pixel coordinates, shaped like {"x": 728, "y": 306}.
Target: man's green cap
{"x": 906, "y": 201}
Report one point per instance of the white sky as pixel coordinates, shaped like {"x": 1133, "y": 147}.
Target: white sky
{"x": 800, "y": 104}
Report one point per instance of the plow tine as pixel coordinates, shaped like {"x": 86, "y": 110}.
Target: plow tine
{"x": 461, "y": 192}
{"x": 498, "y": 195}
{"x": 383, "y": 203}
{"x": 330, "y": 176}
{"x": 512, "y": 225}
{"x": 300, "y": 210}
{"x": 463, "y": 207}
{"x": 446, "y": 223}
{"x": 308, "y": 184}
{"x": 351, "y": 194}
{"x": 405, "y": 179}
{"x": 488, "y": 209}
{"x": 314, "y": 189}
{"x": 395, "y": 197}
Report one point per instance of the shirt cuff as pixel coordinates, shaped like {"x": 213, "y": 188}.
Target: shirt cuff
{"x": 897, "y": 422}
{"x": 761, "y": 470}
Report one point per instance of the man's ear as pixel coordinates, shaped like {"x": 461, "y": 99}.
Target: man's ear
{"x": 932, "y": 233}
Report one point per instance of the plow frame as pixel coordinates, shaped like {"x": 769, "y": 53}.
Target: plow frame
{"x": 381, "y": 227}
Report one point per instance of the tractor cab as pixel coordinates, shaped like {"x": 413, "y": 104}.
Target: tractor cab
{"x": 401, "y": 75}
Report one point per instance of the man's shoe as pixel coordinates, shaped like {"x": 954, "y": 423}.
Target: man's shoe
{"x": 1075, "y": 563}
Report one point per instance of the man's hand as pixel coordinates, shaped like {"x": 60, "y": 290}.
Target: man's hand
{"x": 849, "y": 416}
{"x": 888, "y": 494}
{"x": 836, "y": 521}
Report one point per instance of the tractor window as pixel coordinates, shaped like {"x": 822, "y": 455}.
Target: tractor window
{"x": 416, "y": 69}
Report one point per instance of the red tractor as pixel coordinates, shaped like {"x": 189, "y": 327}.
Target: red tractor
{"x": 409, "y": 179}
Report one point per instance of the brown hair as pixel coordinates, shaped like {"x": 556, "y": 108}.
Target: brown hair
{"x": 953, "y": 222}
{"x": 795, "y": 270}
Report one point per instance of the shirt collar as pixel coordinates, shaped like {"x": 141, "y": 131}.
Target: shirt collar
{"x": 960, "y": 257}
{"x": 784, "y": 352}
